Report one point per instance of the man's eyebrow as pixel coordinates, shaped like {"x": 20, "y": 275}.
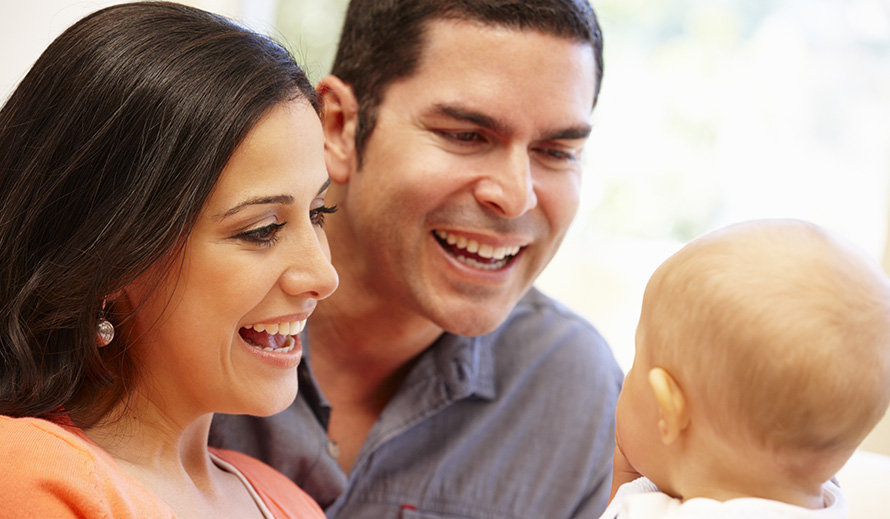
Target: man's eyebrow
{"x": 472, "y": 116}
{"x": 582, "y": 131}
{"x": 260, "y": 200}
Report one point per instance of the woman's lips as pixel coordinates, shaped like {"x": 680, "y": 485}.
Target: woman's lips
{"x": 278, "y": 337}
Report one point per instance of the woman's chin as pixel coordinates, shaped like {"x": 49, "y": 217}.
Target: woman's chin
{"x": 267, "y": 399}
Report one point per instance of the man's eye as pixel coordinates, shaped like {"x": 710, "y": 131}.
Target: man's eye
{"x": 558, "y": 155}
{"x": 462, "y": 137}
{"x": 466, "y": 136}
{"x": 317, "y": 215}
{"x": 267, "y": 235}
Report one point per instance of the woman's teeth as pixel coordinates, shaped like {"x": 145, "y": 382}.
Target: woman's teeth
{"x": 277, "y": 337}
{"x": 286, "y": 328}
{"x": 474, "y": 247}
{"x": 288, "y": 345}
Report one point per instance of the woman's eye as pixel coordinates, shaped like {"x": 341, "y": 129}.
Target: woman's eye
{"x": 267, "y": 235}
{"x": 317, "y": 215}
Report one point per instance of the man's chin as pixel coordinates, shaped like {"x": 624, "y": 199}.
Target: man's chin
{"x": 474, "y": 319}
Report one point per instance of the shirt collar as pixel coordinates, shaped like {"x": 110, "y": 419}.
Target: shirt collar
{"x": 467, "y": 366}
{"x": 464, "y": 364}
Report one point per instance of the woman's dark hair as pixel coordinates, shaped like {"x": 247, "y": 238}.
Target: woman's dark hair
{"x": 382, "y": 40}
{"x": 109, "y": 148}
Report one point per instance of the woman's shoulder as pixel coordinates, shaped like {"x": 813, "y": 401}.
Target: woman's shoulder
{"x": 35, "y": 440}
{"x": 59, "y": 472}
{"x": 283, "y": 497}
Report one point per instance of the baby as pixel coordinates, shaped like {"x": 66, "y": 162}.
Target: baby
{"x": 762, "y": 361}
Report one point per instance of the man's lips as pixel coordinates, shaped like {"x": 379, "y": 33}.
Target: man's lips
{"x": 474, "y": 254}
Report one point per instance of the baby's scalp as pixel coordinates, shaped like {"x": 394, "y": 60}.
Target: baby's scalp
{"x": 785, "y": 328}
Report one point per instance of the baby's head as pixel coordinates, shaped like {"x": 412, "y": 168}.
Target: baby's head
{"x": 764, "y": 346}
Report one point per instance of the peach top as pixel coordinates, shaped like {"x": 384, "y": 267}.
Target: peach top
{"x": 52, "y": 470}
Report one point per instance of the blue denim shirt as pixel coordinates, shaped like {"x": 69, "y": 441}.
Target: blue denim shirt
{"x": 518, "y": 423}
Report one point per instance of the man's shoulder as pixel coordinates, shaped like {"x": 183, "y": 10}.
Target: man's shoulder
{"x": 537, "y": 304}
{"x": 544, "y": 341}
{"x": 542, "y": 324}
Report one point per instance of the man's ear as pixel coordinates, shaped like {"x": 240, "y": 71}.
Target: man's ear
{"x": 340, "y": 118}
{"x": 673, "y": 417}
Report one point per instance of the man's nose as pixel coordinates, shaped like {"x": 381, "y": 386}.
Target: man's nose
{"x": 508, "y": 187}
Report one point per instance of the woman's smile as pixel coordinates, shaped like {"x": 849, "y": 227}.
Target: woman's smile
{"x": 272, "y": 337}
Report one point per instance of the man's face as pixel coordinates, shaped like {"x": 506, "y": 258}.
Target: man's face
{"x": 472, "y": 174}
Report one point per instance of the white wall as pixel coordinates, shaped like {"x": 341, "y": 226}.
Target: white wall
{"x": 28, "y": 26}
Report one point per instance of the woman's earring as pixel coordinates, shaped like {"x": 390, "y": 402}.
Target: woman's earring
{"x": 105, "y": 332}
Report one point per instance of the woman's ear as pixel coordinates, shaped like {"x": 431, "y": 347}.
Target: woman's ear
{"x": 673, "y": 416}
{"x": 339, "y": 120}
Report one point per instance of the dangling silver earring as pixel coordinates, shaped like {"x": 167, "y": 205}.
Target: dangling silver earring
{"x": 105, "y": 332}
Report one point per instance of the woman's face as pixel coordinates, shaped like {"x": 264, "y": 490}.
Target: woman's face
{"x": 220, "y": 333}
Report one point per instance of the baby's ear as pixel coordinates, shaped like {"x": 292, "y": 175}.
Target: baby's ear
{"x": 673, "y": 417}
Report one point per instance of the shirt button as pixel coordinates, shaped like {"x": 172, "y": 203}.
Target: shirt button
{"x": 333, "y": 448}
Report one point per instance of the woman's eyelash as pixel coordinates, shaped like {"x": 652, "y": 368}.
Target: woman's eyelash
{"x": 317, "y": 215}
{"x": 267, "y": 235}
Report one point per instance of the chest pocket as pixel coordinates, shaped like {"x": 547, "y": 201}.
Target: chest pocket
{"x": 411, "y": 512}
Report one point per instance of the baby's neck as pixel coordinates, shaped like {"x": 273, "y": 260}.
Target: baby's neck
{"x": 724, "y": 465}
{"x": 774, "y": 489}
{"x": 723, "y": 472}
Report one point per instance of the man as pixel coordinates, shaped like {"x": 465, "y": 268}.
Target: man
{"x": 437, "y": 382}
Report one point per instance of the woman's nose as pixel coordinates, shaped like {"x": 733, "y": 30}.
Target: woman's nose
{"x": 309, "y": 271}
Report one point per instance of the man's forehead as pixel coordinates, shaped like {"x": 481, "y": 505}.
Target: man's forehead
{"x": 454, "y": 42}
{"x": 437, "y": 28}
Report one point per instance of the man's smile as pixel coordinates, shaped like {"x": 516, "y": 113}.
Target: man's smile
{"x": 470, "y": 252}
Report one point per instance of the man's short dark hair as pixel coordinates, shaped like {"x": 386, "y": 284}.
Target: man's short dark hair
{"x": 382, "y": 40}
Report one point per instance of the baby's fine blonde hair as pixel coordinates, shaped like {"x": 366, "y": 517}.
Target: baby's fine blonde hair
{"x": 781, "y": 329}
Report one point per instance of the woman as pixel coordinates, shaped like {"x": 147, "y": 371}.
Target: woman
{"x": 162, "y": 188}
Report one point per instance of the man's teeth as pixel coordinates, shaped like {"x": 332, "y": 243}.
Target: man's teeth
{"x": 474, "y": 247}
{"x": 479, "y": 265}
{"x": 286, "y": 328}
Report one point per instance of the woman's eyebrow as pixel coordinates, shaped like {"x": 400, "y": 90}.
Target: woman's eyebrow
{"x": 260, "y": 200}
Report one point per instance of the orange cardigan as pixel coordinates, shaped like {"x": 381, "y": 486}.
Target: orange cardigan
{"x": 51, "y": 470}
